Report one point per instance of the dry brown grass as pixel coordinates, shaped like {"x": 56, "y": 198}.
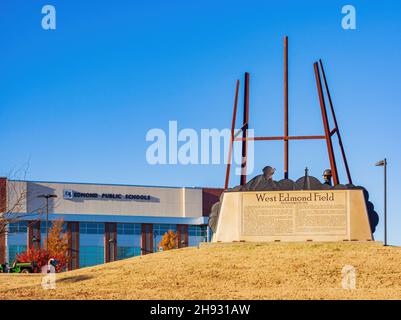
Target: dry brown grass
{"x": 228, "y": 271}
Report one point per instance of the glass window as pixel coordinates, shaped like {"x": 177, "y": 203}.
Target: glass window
{"x": 91, "y": 228}
{"x": 17, "y": 238}
{"x": 13, "y": 250}
{"x": 91, "y": 244}
{"x": 43, "y": 232}
{"x": 91, "y": 255}
{"x": 196, "y": 234}
{"x": 128, "y": 228}
{"x": 127, "y": 252}
{"x": 18, "y": 227}
{"x": 128, "y": 240}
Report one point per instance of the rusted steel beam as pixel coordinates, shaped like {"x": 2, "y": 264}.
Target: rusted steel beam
{"x": 282, "y": 138}
{"x": 340, "y": 142}
{"x": 245, "y": 130}
{"x": 232, "y": 135}
{"x": 285, "y": 107}
{"x": 259, "y": 138}
{"x": 326, "y": 125}
{"x": 306, "y": 137}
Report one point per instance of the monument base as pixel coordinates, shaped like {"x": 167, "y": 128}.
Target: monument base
{"x": 310, "y": 215}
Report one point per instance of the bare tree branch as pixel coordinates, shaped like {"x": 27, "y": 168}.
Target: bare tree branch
{"x": 16, "y": 200}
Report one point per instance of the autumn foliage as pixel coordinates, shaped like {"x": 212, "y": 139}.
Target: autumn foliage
{"x": 39, "y": 256}
{"x": 57, "y": 249}
{"x": 169, "y": 241}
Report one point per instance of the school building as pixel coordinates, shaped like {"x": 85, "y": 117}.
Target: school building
{"x": 105, "y": 222}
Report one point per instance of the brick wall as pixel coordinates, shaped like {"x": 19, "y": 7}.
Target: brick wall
{"x": 3, "y": 208}
{"x": 209, "y": 197}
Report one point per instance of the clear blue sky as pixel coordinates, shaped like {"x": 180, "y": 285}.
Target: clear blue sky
{"x": 77, "y": 102}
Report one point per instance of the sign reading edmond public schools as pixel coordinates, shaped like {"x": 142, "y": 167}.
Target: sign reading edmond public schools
{"x": 70, "y": 194}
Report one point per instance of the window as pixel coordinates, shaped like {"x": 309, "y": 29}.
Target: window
{"x": 128, "y": 240}
{"x": 196, "y": 234}
{"x": 91, "y": 244}
{"x": 91, "y": 256}
{"x": 18, "y": 227}
{"x": 128, "y": 228}
{"x": 43, "y": 226}
{"x": 17, "y": 239}
{"x": 127, "y": 252}
{"x": 43, "y": 232}
{"x": 13, "y": 250}
{"x": 91, "y": 228}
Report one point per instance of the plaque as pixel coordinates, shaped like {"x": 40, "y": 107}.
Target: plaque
{"x": 297, "y": 215}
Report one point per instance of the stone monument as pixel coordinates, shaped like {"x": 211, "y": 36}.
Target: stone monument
{"x": 286, "y": 210}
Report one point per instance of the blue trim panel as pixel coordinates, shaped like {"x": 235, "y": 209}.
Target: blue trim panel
{"x": 117, "y": 218}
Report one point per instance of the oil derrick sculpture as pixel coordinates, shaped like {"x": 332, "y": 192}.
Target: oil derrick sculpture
{"x": 265, "y": 182}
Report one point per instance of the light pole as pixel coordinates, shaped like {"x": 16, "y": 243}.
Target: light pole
{"x": 47, "y": 197}
{"x": 383, "y": 163}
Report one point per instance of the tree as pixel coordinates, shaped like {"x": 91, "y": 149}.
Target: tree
{"x": 58, "y": 244}
{"x": 169, "y": 241}
{"x": 57, "y": 249}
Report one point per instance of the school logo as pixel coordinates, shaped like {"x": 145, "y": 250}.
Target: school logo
{"x": 68, "y": 194}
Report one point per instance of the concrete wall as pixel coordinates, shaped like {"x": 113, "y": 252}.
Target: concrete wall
{"x": 17, "y": 196}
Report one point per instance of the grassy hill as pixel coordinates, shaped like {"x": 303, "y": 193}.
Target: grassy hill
{"x": 228, "y": 271}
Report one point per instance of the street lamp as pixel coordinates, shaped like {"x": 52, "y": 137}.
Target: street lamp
{"x": 383, "y": 163}
{"x": 47, "y": 197}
